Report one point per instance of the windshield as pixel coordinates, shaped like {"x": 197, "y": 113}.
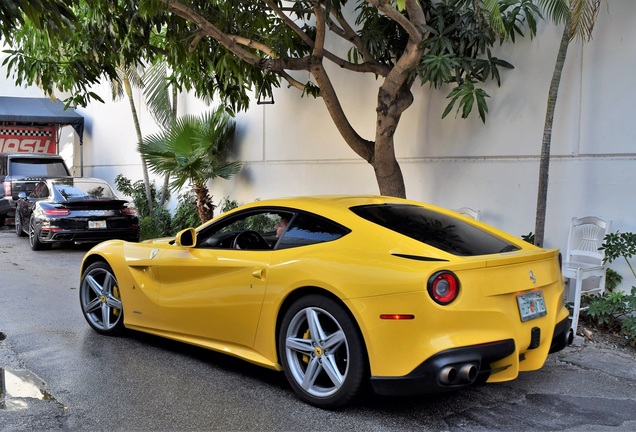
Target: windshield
{"x": 83, "y": 190}
{"x": 435, "y": 229}
{"x": 38, "y": 168}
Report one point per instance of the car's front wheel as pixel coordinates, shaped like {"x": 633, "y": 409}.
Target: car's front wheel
{"x": 100, "y": 299}
{"x": 322, "y": 352}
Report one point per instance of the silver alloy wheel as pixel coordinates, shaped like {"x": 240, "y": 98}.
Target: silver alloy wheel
{"x": 18, "y": 226}
{"x": 32, "y": 238}
{"x": 99, "y": 298}
{"x": 317, "y": 352}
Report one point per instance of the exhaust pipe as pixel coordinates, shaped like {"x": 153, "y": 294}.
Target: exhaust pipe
{"x": 458, "y": 374}
{"x": 447, "y": 375}
{"x": 467, "y": 373}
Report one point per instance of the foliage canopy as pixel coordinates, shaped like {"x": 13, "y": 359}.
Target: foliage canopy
{"x": 233, "y": 49}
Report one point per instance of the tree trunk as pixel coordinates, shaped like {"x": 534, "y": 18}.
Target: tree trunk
{"x": 391, "y": 105}
{"x": 166, "y": 179}
{"x": 205, "y": 206}
{"x": 544, "y": 164}
{"x": 144, "y": 166}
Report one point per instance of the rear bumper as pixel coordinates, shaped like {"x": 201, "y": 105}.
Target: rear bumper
{"x": 6, "y": 209}
{"x": 48, "y": 235}
{"x": 460, "y": 367}
{"x": 563, "y": 335}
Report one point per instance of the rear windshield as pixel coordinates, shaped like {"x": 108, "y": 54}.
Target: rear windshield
{"x": 84, "y": 191}
{"x": 38, "y": 168}
{"x": 438, "y": 230}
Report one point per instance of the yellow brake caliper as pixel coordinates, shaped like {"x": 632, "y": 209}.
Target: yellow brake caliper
{"x": 116, "y": 312}
{"x": 307, "y": 335}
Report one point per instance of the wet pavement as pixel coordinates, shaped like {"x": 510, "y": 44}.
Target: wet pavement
{"x": 56, "y": 374}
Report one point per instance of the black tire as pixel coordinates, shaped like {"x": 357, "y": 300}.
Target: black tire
{"x": 18, "y": 226}
{"x": 34, "y": 237}
{"x": 2, "y": 218}
{"x": 336, "y": 357}
{"x": 100, "y": 299}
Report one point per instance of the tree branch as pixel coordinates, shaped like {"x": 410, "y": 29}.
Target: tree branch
{"x": 321, "y": 18}
{"x": 366, "y": 67}
{"x": 349, "y": 34}
{"x": 211, "y": 30}
{"x": 383, "y": 6}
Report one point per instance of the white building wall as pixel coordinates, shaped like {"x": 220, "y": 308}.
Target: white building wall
{"x": 293, "y": 148}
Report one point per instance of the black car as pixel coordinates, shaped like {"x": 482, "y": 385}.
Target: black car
{"x": 77, "y": 210}
{"x": 20, "y": 172}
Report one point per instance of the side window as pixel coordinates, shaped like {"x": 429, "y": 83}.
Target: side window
{"x": 307, "y": 229}
{"x": 41, "y": 190}
{"x": 251, "y": 230}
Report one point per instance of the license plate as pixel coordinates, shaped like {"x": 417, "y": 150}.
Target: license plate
{"x": 97, "y": 224}
{"x": 531, "y": 305}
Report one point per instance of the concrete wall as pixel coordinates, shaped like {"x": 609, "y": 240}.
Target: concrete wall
{"x": 292, "y": 147}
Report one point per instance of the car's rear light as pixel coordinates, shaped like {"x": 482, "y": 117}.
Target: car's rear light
{"x": 57, "y": 212}
{"x": 7, "y": 188}
{"x": 443, "y": 287}
{"x": 129, "y": 211}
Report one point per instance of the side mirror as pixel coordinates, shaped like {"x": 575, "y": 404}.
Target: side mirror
{"x": 22, "y": 195}
{"x": 186, "y": 238}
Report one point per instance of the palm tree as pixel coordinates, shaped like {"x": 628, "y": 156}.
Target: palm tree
{"x": 161, "y": 99}
{"x": 579, "y": 17}
{"x": 128, "y": 77}
{"x": 192, "y": 151}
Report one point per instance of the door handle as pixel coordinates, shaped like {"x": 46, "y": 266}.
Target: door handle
{"x": 259, "y": 274}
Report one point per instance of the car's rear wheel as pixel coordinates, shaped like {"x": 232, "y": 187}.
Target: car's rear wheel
{"x": 100, "y": 299}
{"x": 322, "y": 352}
{"x": 34, "y": 237}
{"x": 18, "y": 226}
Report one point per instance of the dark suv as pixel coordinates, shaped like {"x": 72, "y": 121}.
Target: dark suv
{"x": 20, "y": 172}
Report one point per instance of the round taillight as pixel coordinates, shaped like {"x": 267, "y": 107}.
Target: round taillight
{"x": 443, "y": 287}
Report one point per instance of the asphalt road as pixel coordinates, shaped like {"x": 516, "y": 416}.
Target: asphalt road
{"x": 140, "y": 383}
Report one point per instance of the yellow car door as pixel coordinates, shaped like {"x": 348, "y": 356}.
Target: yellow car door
{"x": 213, "y": 295}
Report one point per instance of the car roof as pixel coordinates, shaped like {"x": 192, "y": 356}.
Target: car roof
{"x": 332, "y": 202}
{"x": 75, "y": 180}
{"x": 32, "y": 155}
{"x": 336, "y": 207}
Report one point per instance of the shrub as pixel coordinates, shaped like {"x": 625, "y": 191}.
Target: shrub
{"x": 528, "y": 237}
{"x": 157, "y": 224}
{"x": 615, "y": 311}
{"x": 186, "y": 214}
{"x": 612, "y": 280}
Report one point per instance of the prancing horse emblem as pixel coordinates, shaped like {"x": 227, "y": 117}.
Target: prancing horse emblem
{"x": 532, "y": 278}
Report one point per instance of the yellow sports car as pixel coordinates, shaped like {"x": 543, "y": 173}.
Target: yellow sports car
{"x": 339, "y": 292}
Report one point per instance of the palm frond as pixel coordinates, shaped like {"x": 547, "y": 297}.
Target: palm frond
{"x": 192, "y": 150}
{"x": 157, "y": 94}
{"x": 493, "y": 14}
{"x": 557, "y": 10}
{"x": 583, "y": 18}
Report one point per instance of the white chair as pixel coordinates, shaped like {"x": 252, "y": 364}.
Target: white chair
{"x": 467, "y": 211}
{"x": 583, "y": 262}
